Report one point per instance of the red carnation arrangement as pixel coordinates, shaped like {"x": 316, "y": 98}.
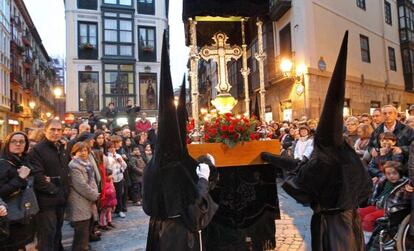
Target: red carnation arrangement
{"x": 230, "y": 129}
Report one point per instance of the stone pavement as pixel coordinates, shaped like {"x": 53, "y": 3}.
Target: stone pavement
{"x": 292, "y": 231}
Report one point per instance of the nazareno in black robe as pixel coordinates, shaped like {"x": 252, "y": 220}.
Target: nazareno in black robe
{"x": 333, "y": 181}
{"x": 175, "y": 198}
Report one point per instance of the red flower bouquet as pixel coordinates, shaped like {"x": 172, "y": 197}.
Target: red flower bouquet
{"x": 230, "y": 129}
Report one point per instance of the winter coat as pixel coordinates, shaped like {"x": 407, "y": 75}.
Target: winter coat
{"x": 303, "y": 148}
{"x": 361, "y": 146}
{"x": 50, "y": 160}
{"x": 10, "y": 183}
{"x": 181, "y": 233}
{"x": 109, "y": 200}
{"x": 378, "y": 190}
{"x": 137, "y": 165}
{"x": 117, "y": 168}
{"x": 142, "y": 126}
{"x": 351, "y": 138}
{"x": 405, "y": 135}
{"x": 399, "y": 199}
{"x": 84, "y": 192}
{"x": 286, "y": 141}
{"x": 375, "y": 166}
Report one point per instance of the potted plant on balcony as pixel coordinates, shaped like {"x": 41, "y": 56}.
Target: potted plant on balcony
{"x": 87, "y": 46}
{"x": 148, "y": 48}
{"x": 20, "y": 49}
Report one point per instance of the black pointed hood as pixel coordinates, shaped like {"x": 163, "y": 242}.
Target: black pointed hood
{"x": 334, "y": 176}
{"x": 168, "y": 145}
{"x": 169, "y": 179}
{"x": 330, "y": 127}
{"x": 182, "y": 115}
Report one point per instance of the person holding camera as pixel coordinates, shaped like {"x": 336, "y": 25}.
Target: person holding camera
{"x": 387, "y": 152}
{"x": 14, "y": 172}
{"x": 51, "y": 186}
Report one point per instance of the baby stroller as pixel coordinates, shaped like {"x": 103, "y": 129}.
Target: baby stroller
{"x": 391, "y": 233}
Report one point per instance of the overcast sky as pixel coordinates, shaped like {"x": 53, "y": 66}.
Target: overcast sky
{"x": 49, "y": 19}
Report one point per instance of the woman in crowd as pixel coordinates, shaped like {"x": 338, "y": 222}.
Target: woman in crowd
{"x": 142, "y": 140}
{"x": 82, "y": 197}
{"x": 361, "y": 144}
{"x": 100, "y": 142}
{"x": 14, "y": 173}
{"x": 36, "y": 136}
{"x": 304, "y": 145}
{"x": 147, "y": 153}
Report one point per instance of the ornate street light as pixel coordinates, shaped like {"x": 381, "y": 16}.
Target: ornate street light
{"x": 57, "y": 92}
{"x": 32, "y": 105}
{"x": 286, "y": 65}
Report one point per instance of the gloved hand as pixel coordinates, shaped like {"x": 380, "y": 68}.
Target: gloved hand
{"x": 203, "y": 171}
{"x": 213, "y": 161}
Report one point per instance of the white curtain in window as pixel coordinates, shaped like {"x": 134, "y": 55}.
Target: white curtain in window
{"x": 125, "y": 2}
{"x": 125, "y": 36}
{"x": 110, "y": 49}
{"x": 126, "y": 50}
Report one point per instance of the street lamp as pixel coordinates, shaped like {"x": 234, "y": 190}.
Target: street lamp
{"x": 48, "y": 114}
{"x": 286, "y": 65}
{"x": 32, "y": 105}
{"x": 57, "y": 92}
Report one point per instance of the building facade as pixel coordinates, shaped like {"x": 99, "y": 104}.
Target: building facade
{"x": 58, "y": 65}
{"x": 307, "y": 34}
{"x": 310, "y": 32}
{"x": 4, "y": 65}
{"x": 31, "y": 76}
{"x": 113, "y": 53}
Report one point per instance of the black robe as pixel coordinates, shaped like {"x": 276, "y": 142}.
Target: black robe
{"x": 183, "y": 232}
{"x": 334, "y": 185}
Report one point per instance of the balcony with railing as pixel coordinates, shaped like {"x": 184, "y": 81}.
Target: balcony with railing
{"x": 278, "y": 8}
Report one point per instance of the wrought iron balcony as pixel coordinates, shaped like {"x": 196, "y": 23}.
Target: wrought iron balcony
{"x": 278, "y": 8}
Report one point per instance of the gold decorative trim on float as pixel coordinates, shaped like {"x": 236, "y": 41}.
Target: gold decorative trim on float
{"x": 243, "y": 154}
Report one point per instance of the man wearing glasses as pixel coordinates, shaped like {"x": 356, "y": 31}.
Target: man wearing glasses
{"x": 51, "y": 186}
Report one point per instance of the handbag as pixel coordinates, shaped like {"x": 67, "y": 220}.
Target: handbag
{"x": 22, "y": 205}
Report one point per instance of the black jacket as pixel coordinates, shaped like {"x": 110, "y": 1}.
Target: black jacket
{"x": 10, "y": 182}
{"x": 404, "y": 133}
{"x": 50, "y": 160}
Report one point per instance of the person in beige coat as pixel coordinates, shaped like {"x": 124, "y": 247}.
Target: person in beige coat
{"x": 83, "y": 195}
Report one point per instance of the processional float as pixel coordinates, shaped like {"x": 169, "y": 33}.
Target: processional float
{"x": 221, "y": 31}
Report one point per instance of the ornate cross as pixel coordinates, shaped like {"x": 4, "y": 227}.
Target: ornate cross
{"x": 221, "y": 52}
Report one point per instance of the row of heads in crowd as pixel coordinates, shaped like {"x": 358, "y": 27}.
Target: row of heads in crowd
{"x": 364, "y": 123}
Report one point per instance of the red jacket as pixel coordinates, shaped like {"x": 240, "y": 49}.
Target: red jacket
{"x": 141, "y": 126}
{"x": 109, "y": 200}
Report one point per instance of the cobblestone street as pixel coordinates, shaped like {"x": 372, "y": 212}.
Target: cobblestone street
{"x": 292, "y": 231}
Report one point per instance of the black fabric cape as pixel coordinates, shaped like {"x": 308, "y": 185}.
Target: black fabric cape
{"x": 334, "y": 180}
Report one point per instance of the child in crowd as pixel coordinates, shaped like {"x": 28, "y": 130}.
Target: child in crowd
{"x": 387, "y": 152}
{"x": 116, "y": 163}
{"x": 108, "y": 202}
{"x": 136, "y": 165}
{"x": 392, "y": 189}
{"x": 147, "y": 153}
